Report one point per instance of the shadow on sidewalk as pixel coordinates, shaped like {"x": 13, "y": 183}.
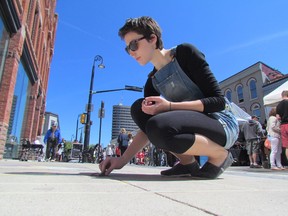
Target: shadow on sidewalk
{"x": 48, "y": 173}
{"x": 113, "y": 176}
{"x": 147, "y": 177}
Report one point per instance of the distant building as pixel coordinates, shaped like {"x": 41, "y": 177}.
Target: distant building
{"x": 27, "y": 39}
{"x": 122, "y": 119}
{"x": 248, "y": 87}
{"x": 48, "y": 120}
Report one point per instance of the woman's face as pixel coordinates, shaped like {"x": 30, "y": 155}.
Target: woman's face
{"x": 144, "y": 48}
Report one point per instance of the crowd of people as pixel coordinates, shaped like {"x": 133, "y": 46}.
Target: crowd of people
{"x": 274, "y": 132}
{"x": 50, "y": 149}
{"x": 277, "y": 132}
{"x": 149, "y": 155}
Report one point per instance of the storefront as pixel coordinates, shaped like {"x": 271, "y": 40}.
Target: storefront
{"x": 25, "y": 56}
{"x": 18, "y": 112}
{"x": 9, "y": 25}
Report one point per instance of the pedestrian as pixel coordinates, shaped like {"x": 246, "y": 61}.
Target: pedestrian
{"x": 252, "y": 131}
{"x": 183, "y": 110}
{"x": 274, "y": 136}
{"x": 52, "y": 139}
{"x": 130, "y": 137}
{"x": 123, "y": 140}
{"x": 109, "y": 151}
{"x": 117, "y": 151}
{"x": 282, "y": 114}
{"x": 59, "y": 152}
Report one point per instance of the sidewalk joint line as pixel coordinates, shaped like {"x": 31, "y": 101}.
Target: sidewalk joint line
{"x": 169, "y": 198}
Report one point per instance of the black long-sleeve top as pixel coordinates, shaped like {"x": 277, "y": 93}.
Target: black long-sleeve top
{"x": 282, "y": 110}
{"x": 193, "y": 63}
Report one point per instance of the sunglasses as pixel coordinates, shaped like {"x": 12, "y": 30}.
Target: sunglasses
{"x": 133, "y": 45}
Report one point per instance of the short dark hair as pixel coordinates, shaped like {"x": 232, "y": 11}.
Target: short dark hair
{"x": 284, "y": 93}
{"x": 145, "y": 26}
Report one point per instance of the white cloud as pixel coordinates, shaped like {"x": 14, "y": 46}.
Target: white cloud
{"x": 256, "y": 41}
{"x": 80, "y": 30}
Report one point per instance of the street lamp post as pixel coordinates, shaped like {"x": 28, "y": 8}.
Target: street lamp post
{"x": 89, "y": 107}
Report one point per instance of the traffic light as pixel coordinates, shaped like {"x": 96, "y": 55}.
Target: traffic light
{"x": 83, "y": 118}
{"x": 101, "y": 112}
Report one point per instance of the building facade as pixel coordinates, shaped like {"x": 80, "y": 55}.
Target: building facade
{"x": 48, "y": 120}
{"x": 27, "y": 39}
{"x": 248, "y": 87}
{"x": 122, "y": 119}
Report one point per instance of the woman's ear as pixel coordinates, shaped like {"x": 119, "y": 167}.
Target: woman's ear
{"x": 153, "y": 39}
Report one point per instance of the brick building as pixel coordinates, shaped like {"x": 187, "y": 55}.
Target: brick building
{"x": 27, "y": 38}
{"x": 248, "y": 87}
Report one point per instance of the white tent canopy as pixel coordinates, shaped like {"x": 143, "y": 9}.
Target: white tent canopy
{"x": 240, "y": 114}
{"x": 274, "y": 97}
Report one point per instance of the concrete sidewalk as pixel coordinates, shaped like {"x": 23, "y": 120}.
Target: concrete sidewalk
{"x": 52, "y": 188}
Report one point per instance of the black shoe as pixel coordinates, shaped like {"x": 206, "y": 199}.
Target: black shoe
{"x": 181, "y": 170}
{"x": 257, "y": 166}
{"x": 210, "y": 171}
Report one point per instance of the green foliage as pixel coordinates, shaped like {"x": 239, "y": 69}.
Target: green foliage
{"x": 92, "y": 146}
{"x": 67, "y": 146}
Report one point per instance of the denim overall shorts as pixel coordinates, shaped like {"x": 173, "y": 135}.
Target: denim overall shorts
{"x": 174, "y": 85}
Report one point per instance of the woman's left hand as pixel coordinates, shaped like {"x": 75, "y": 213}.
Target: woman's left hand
{"x": 154, "y": 104}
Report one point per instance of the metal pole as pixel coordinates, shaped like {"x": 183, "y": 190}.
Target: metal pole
{"x": 88, "y": 117}
{"x": 101, "y": 115}
{"x": 112, "y": 90}
{"x": 77, "y": 127}
{"x": 129, "y": 88}
{"x": 89, "y": 109}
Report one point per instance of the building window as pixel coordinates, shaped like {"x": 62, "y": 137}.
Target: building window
{"x": 4, "y": 42}
{"x": 18, "y": 109}
{"x": 252, "y": 87}
{"x": 228, "y": 95}
{"x": 256, "y": 110}
{"x": 240, "y": 94}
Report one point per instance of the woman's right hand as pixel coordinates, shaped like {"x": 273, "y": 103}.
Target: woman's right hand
{"x": 111, "y": 163}
{"x": 155, "y": 104}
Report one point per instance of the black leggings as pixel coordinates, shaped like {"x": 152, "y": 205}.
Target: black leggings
{"x": 175, "y": 131}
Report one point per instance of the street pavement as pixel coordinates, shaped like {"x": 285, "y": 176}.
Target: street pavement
{"x": 58, "y": 188}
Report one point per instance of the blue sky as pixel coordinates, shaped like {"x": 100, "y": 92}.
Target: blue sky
{"x": 233, "y": 35}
